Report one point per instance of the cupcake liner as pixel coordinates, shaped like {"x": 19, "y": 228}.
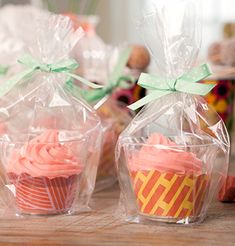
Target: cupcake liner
{"x": 41, "y": 195}
{"x": 168, "y": 194}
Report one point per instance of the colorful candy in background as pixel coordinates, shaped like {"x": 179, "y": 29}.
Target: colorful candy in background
{"x": 221, "y": 99}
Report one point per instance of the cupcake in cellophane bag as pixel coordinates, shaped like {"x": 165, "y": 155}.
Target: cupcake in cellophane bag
{"x": 51, "y": 148}
{"x": 172, "y": 157}
{"x": 114, "y": 116}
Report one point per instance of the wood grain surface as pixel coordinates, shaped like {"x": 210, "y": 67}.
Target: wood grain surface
{"x": 103, "y": 227}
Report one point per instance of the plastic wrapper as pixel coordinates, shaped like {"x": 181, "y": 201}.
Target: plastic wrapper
{"x": 172, "y": 157}
{"x": 113, "y": 114}
{"x": 51, "y": 145}
{"x": 91, "y": 52}
{"x": 114, "y": 120}
{"x": 17, "y": 23}
{"x": 16, "y": 28}
{"x": 138, "y": 62}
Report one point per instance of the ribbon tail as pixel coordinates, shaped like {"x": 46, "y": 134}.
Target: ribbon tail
{"x": 71, "y": 88}
{"x": 84, "y": 81}
{"x": 9, "y": 84}
{"x": 89, "y": 96}
{"x": 196, "y": 88}
{"x": 149, "y": 98}
{"x": 94, "y": 96}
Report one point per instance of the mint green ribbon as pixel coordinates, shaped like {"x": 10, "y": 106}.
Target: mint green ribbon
{"x": 187, "y": 83}
{"x": 64, "y": 67}
{"x": 3, "y": 69}
{"x": 116, "y": 80}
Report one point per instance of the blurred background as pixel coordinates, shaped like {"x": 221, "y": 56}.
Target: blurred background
{"x": 109, "y": 24}
{"x": 118, "y": 18}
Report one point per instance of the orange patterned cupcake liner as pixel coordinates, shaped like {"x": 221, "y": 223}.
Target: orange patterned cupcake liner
{"x": 168, "y": 194}
{"x": 41, "y": 195}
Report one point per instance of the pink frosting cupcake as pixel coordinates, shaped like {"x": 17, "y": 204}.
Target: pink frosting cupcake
{"x": 168, "y": 182}
{"x": 45, "y": 174}
{"x": 165, "y": 158}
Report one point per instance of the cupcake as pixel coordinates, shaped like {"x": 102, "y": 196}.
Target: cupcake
{"x": 168, "y": 182}
{"x": 45, "y": 173}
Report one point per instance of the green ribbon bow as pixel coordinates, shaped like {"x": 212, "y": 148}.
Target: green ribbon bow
{"x": 65, "y": 67}
{"x": 3, "y": 69}
{"x": 186, "y": 83}
{"x": 116, "y": 80}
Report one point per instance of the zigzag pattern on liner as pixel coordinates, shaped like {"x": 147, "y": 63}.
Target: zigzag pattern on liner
{"x": 169, "y": 194}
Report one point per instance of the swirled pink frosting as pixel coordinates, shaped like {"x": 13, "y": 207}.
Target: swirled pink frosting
{"x": 163, "y": 159}
{"x": 44, "y": 156}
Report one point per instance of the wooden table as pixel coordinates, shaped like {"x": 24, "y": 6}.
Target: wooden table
{"x": 102, "y": 227}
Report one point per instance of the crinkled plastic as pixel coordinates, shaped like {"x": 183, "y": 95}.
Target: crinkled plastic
{"x": 113, "y": 114}
{"x": 50, "y": 143}
{"x": 17, "y": 22}
{"x": 173, "y": 156}
{"x": 92, "y": 51}
{"x": 114, "y": 119}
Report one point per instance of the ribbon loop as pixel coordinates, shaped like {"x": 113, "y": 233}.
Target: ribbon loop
{"x": 187, "y": 83}
{"x": 66, "y": 67}
{"x": 152, "y": 82}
